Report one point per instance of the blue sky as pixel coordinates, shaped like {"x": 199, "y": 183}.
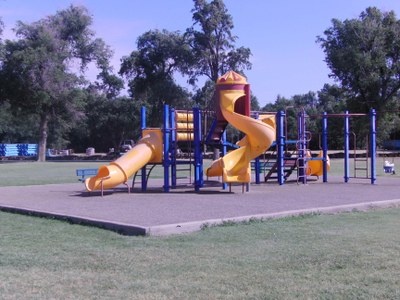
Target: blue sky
{"x": 281, "y": 34}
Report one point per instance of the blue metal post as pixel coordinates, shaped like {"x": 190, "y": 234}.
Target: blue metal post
{"x": 173, "y": 148}
{"x": 166, "y": 160}
{"x": 257, "y": 169}
{"x": 143, "y": 126}
{"x": 280, "y": 143}
{"x": 198, "y": 156}
{"x": 325, "y": 147}
{"x": 372, "y": 146}
{"x": 346, "y": 147}
{"x": 257, "y": 164}
{"x": 143, "y": 117}
{"x": 224, "y": 151}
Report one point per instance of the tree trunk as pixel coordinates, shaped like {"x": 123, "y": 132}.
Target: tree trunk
{"x": 43, "y": 137}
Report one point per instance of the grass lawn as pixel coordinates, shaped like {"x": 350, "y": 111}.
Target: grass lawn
{"x": 36, "y": 173}
{"x": 344, "y": 256}
{"x": 33, "y": 173}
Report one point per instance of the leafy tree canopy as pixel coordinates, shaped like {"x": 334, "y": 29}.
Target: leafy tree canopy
{"x": 1, "y": 27}
{"x": 364, "y": 56}
{"x": 37, "y": 70}
{"x": 158, "y": 56}
{"x": 150, "y": 70}
{"x": 213, "y": 43}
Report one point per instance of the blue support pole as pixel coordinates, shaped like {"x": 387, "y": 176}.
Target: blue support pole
{"x": 325, "y": 147}
{"x": 280, "y": 142}
{"x": 372, "y": 146}
{"x": 224, "y": 151}
{"x": 173, "y": 148}
{"x": 143, "y": 117}
{"x": 198, "y": 156}
{"x": 257, "y": 169}
{"x": 143, "y": 126}
{"x": 257, "y": 164}
{"x": 346, "y": 147}
{"x": 166, "y": 160}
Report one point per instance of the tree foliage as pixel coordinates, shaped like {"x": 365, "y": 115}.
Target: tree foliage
{"x": 213, "y": 43}
{"x": 37, "y": 67}
{"x": 151, "y": 68}
{"x": 1, "y": 27}
{"x": 364, "y": 55}
{"x": 107, "y": 123}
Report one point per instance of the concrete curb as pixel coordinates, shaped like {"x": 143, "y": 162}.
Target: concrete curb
{"x": 198, "y": 225}
{"x": 188, "y": 227}
{"x": 121, "y": 228}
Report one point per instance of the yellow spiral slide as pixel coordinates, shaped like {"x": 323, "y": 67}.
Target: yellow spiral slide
{"x": 235, "y": 166}
{"x": 148, "y": 149}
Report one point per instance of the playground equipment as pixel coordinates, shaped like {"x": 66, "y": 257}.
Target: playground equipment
{"x": 160, "y": 146}
{"x": 157, "y": 146}
{"x": 315, "y": 165}
{"x": 235, "y": 166}
{"x": 148, "y": 149}
{"x": 370, "y": 152}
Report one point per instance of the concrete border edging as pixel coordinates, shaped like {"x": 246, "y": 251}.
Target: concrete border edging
{"x": 121, "y": 228}
{"x": 188, "y": 227}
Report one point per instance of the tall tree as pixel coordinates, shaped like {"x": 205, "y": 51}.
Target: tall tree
{"x": 364, "y": 56}
{"x": 213, "y": 42}
{"x": 37, "y": 68}
{"x": 1, "y": 27}
{"x": 1, "y": 58}
{"x": 151, "y": 68}
{"x": 107, "y": 123}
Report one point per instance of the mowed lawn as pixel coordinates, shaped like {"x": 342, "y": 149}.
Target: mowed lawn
{"x": 345, "y": 256}
{"x": 34, "y": 173}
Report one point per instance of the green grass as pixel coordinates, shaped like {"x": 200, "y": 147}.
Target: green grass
{"x": 345, "y": 256}
{"x": 34, "y": 173}
{"x": 37, "y": 173}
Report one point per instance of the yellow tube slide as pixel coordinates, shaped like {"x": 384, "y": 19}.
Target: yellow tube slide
{"x": 235, "y": 166}
{"x": 315, "y": 167}
{"x": 148, "y": 149}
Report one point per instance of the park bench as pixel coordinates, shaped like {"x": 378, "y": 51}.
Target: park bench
{"x": 83, "y": 173}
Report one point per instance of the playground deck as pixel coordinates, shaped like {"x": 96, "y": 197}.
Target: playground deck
{"x": 183, "y": 210}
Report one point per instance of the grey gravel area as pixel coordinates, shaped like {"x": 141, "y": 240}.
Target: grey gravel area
{"x": 183, "y": 210}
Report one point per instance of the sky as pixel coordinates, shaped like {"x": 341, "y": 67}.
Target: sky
{"x": 281, "y": 34}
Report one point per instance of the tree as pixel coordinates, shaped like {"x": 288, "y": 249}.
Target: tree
{"x": 107, "y": 123}
{"x": 212, "y": 42}
{"x": 1, "y": 27}
{"x": 254, "y": 104}
{"x": 151, "y": 68}
{"x": 1, "y": 59}
{"x": 364, "y": 56}
{"x": 37, "y": 67}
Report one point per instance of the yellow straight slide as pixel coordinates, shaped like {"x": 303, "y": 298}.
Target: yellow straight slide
{"x": 148, "y": 149}
{"x": 235, "y": 166}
